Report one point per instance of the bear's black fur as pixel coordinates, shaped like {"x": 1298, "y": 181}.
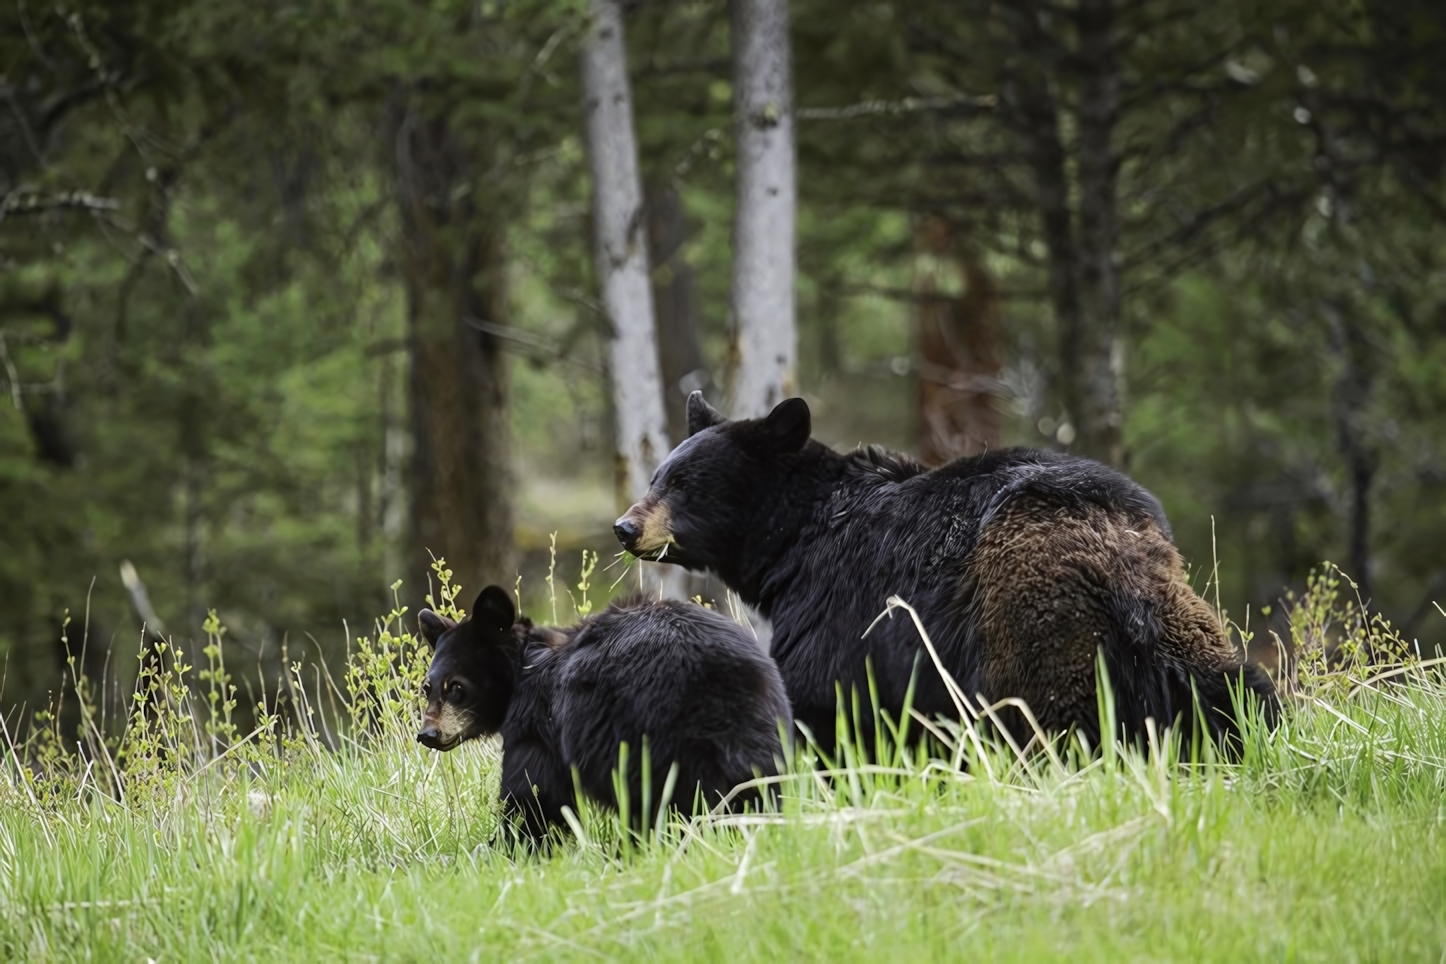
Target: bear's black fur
{"x": 1023, "y": 566}
{"x": 690, "y": 680}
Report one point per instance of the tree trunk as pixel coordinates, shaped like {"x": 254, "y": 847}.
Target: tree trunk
{"x": 958, "y": 347}
{"x": 1030, "y": 97}
{"x": 675, "y": 299}
{"x": 1081, "y": 251}
{"x": 197, "y": 423}
{"x": 1096, "y": 353}
{"x": 763, "y": 241}
{"x": 460, "y": 472}
{"x": 621, "y": 253}
{"x": 1349, "y": 401}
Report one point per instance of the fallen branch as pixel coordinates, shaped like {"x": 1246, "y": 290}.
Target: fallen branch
{"x": 141, "y": 600}
{"x": 16, "y": 203}
{"x": 893, "y": 108}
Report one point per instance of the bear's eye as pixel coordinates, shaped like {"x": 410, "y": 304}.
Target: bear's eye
{"x": 455, "y": 692}
{"x": 678, "y": 482}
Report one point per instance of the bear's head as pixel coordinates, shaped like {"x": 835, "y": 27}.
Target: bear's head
{"x": 712, "y": 492}
{"x": 473, "y": 671}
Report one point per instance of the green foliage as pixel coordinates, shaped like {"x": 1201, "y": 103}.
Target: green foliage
{"x": 581, "y": 603}
{"x": 1337, "y": 641}
{"x": 203, "y": 332}
{"x": 216, "y": 355}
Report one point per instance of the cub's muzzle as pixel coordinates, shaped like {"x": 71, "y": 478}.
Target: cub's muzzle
{"x": 439, "y": 732}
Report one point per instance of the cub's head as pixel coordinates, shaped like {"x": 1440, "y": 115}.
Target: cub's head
{"x": 474, "y": 667}
{"x": 705, "y": 498}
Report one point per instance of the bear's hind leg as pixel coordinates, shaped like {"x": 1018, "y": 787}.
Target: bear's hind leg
{"x": 1040, "y": 575}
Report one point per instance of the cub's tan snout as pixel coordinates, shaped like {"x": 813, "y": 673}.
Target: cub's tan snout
{"x": 443, "y": 727}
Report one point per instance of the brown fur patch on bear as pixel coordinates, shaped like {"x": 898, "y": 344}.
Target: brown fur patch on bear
{"x": 1043, "y": 577}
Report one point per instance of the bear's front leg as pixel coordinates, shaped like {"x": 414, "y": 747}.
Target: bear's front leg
{"x": 535, "y": 788}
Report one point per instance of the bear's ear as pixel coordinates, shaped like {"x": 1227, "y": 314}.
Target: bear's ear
{"x": 433, "y": 626}
{"x": 701, "y": 415}
{"x": 789, "y": 425}
{"x": 493, "y": 609}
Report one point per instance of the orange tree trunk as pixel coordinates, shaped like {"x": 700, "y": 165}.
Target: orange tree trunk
{"x": 958, "y": 336}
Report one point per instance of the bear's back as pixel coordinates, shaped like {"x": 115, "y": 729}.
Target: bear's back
{"x": 975, "y": 488}
{"x": 690, "y": 680}
{"x": 890, "y": 527}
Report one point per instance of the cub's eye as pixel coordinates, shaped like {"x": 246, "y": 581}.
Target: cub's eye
{"x": 455, "y": 692}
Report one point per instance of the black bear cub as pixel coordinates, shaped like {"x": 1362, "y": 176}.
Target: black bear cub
{"x": 1025, "y": 567}
{"x": 689, "y": 680}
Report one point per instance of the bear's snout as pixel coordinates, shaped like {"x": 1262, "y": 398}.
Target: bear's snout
{"x": 628, "y": 532}
{"x": 646, "y": 530}
{"x": 431, "y": 738}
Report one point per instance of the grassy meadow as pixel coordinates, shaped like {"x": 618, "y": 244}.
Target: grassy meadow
{"x": 325, "y": 832}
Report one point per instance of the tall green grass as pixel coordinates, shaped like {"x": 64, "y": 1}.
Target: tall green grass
{"x": 326, "y": 832}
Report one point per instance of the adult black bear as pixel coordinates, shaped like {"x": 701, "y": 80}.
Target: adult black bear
{"x": 1022, "y": 564}
{"x": 688, "y": 679}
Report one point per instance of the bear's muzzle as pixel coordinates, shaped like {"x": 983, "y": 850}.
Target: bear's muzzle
{"x": 645, "y": 530}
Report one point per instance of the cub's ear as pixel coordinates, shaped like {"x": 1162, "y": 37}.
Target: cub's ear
{"x": 789, "y": 425}
{"x": 433, "y": 626}
{"x": 493, "y": 608}
{"x": 701, "y": 415}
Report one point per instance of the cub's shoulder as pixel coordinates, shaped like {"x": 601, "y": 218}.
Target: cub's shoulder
{"x": 636, "y": 614}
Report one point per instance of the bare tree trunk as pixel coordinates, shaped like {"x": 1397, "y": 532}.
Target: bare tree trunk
{"x": 392, "y": 508}
{"x": 1082, "y": 246}
{"x": 460, "y": 473}
{"x": 1097, "y": 354}
{"x": 765, "y": 336}
{"x": 1349, "y": 399}
{"x": 675, "y": 300}
{"x": 958, "y": 347}
{"x": 621, "y": 252}
{"x": 198, "y": 397}
{"x": 1030, "y": 93}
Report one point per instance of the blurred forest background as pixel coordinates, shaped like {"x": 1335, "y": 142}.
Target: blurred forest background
{"x": 292, "y": 292}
